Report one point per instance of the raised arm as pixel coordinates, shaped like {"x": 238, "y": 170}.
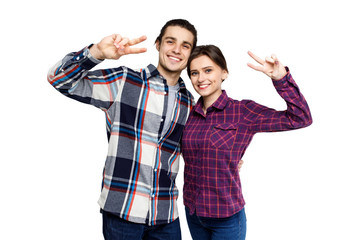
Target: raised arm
{"x": 72, "y": 76}
{"x": 264, "y": 119}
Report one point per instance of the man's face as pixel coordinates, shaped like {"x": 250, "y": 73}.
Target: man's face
{"x": 174, "y": 49}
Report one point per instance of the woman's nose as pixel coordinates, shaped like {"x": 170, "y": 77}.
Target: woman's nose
{"x": 201, "y": 77}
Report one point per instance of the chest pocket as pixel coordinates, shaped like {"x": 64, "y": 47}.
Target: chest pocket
{"x": 223, "y": 135}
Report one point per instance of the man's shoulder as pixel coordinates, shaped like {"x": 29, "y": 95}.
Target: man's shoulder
{"x": 147, "y": 72}
{"x": 138, "y": 73}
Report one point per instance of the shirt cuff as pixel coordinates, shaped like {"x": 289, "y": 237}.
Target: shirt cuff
{"x": 95, "y": 60}
{"x": 85, "y": 59}
{"x": 282, "y": 81}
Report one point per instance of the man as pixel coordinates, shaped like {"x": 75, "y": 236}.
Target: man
{"x": 146, "y": 111}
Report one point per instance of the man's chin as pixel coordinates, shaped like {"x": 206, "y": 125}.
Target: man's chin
{"x": 174, "y": 69}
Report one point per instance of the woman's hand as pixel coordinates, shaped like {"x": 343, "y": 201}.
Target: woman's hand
{"x": 240, "y": 164}
{"x": 270, "y": 66}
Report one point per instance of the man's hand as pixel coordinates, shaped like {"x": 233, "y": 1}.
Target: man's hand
{"x": 270, "y": 66}
{"x": 115, "y": 46}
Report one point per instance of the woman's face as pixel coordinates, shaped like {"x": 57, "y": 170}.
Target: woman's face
{"x": 206, "y": 77}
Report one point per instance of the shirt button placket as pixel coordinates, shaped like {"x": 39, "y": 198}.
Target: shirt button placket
{"x": 153, "y": 191}
{"x": 198, "y": 179}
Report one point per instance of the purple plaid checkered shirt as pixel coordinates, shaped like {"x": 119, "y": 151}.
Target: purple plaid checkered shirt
{"x": 213, "y": 144}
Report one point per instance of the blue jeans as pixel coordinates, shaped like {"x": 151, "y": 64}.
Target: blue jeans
{"x": 202, "y": 228}
{"x": 115, "y": 228}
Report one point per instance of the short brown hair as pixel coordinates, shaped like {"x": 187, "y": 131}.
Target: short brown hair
{"x": 180, "y": 23}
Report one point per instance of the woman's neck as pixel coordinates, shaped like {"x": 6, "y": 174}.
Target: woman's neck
{"x": 209, "y": 100}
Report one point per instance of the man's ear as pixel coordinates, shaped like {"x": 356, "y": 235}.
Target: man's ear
{"x": 157, "y": 45}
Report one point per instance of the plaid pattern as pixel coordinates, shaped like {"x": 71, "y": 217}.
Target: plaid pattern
{"x": 142, "y": 164}
{"x": 213, "y": 145}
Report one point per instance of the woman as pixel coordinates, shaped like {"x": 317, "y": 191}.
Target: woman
{"x": 216, "y": 135}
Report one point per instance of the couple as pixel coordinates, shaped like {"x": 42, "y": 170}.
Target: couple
{"x": 146, "y": 111}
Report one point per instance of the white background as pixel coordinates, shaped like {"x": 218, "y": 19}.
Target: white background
{"x": 302, "y": 184}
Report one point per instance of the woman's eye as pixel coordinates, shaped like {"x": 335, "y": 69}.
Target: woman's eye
{"x": 208, "y": 70}
{"x": 193, "y": 73}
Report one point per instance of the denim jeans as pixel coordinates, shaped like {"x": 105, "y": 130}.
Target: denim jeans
{"x": 115, "y": 228}
{"x": 202, "y": 228}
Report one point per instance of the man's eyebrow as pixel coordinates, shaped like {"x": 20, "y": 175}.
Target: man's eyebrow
{"x": 172, "y": 38}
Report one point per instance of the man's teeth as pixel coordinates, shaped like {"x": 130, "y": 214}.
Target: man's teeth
{"x": 176, "y": 59}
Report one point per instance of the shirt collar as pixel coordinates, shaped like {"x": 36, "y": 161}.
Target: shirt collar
{"x": 151, "y": 71}
{"x": 219, "y": 104}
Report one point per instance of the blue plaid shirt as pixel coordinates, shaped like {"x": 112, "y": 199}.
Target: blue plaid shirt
{"x": 142, "y": 163}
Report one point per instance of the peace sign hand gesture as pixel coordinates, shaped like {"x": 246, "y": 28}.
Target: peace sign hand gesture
{"x": 115, "y": 46}
{"x": 270, "y": 66}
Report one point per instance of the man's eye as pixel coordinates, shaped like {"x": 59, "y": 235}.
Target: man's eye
{"x": 208, "y": 70}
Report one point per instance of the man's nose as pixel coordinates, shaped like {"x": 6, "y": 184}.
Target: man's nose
{"x": 177, "y": 48}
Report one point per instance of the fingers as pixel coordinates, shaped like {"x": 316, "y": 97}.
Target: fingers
{"x": 121, "y": 45}
{"x": 136, "y": 50}
{"x": 272, "y": 60}
{"x": 257, "y": 68}
{"x": 276, "y": 60}
{"x": 117, "y": 38}
{"x": 122, "y": 42}
{"x": 256, "y": 58}
{"x": 269, "y": 60}
{"x": 137, "y": 40}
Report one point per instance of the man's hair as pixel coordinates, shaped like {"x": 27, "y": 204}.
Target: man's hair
{"x": 211, "y": 51}
{"x": 180, "y": 23}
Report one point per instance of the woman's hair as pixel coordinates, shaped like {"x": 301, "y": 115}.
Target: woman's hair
{"x": 211, "y": 51}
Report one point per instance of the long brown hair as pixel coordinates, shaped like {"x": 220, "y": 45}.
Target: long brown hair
{"x": 212, "y": 51}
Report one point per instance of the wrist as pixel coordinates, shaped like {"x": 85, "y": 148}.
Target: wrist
{"x": 281, "y": 74}
{"x": 95, "y": 52}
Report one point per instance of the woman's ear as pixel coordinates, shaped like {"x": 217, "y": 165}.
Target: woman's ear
{"x": 224, "y": 75}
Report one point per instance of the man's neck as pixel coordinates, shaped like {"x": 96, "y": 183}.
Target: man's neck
{"x": 172, "y": 78}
